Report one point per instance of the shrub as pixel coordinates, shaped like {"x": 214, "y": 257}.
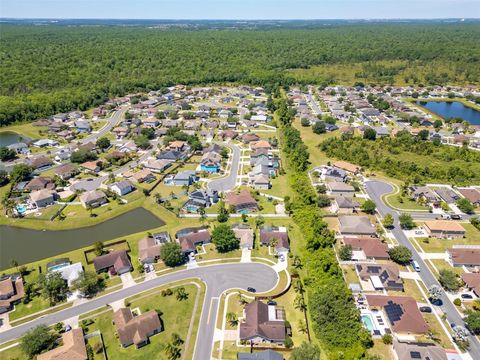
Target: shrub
{"x": 387, "y": 339}
{"x": 457, "y": 302}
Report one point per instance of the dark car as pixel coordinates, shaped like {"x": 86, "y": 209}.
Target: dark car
{"x": 456, "y": 217}
{"x": 425, "y": 309}
{"x": 250, "y": 289}
{"x": 466, "y": 296}
{"x": 437, "y": 302}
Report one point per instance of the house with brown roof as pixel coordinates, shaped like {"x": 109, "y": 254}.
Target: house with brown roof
{"x": 472, "y": 195}
{"x": 190, "y": 238}
{"x": 177, "y": 145}
{"x": 141, "y": 176}
{"x": 247, "y": 138}
{"x": 117, "y": 262}
{"x": 261, "y": 144}
{"x": 356, "y": 225}
{"x": 91, "y": 166}
{"x": 149, "y": 250}
{"x": 157, "y": 166}
{"x": 262, "y": 323}
{"x": 93, "y": 199}
{"x": 243, "y": 202}
{"x": 66, "y": 171}
{"x": 464, "y": 256}
{"x": 444, "y": 229}
{"x": 39, "y": 183}
{"x": 136, "y": 330}
{"x": 228, "y": 134}
{"x": 367, "y": 248}
{"x": 380, "y": 276}
{"x": 72, "y": 348}
{"x": 344, "y": 165}
{"x": 418, "y": 351}
{"x": 11, "y": 291}
{"x": 40, "y": 162}
{"x": 276, "y": 234}
{"x": 472, "y": 282}
{"x": 401, "y": 313}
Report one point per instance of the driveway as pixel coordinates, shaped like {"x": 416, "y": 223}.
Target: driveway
{"x": 228, "y": 182}
{"x": 218, "y": 278}
{"x": 376, "y": 189}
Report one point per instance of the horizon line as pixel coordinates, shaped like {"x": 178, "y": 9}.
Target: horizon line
{"x": 239, "y": 19}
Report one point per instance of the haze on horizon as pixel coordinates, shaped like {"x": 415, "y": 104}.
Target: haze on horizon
{"x": 240, "y": 9}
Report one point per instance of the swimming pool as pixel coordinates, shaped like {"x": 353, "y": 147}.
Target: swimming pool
{"x": 368, "y": 322}
{"x": 21, "y": 209}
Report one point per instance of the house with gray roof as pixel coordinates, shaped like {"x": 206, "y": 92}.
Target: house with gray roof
{"x": 356, "y": 225}
{"x": 121, "y": 188}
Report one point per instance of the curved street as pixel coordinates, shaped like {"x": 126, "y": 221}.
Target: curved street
{"x": 228, "y": 182}
{"x": 376, "y": 189}
{"x": 217, "y": 278}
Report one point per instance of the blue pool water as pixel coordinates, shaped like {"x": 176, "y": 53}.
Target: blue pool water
{"x": 21, "y": 209}
{"x": 367, "y": 322}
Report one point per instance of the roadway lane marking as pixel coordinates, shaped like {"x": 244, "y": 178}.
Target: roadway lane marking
{"x": 210, "y": 308}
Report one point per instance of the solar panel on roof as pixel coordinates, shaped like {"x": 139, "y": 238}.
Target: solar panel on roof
{"x": 394, "y": 311}
{"x": 415, "y": 355}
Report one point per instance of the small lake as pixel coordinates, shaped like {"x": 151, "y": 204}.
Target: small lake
{"x": 25, "y": 245}
{"x": 448, "y": 110}
{"x": 10, "y": 137}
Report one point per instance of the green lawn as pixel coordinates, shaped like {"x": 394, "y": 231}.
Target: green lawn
{"x": 410, "y": 289}
{"x": 176, "y": 319}
{"x": 472, "y": 237}
{"x": 382, "y": 351}
{"x": 27, "y": 129}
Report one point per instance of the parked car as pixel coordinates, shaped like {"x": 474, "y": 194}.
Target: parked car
{"x": 425, "y": 309}
{"x": 250, "y": 289}
{"x": 456, "y": 217}
{"x": 466, "y": 296}
{"x": 437, "y": 302}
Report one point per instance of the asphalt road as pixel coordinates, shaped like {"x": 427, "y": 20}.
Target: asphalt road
{"x": 313, "y": 104}
{"x": 376, "y": 189}
{"x": 218, "y": 278}
{"x": 228, "y": 182}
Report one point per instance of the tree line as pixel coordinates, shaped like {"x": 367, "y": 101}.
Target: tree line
{"x": 50, "y": 69}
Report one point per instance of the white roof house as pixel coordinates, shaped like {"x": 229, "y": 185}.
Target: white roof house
{"x": 71, "y": 272}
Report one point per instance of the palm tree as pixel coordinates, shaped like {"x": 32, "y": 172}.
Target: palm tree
{"x": 172, "y": 352}
{"x": 241, "y": 299}
{"x": 302, "y": 327}
{"x": 14, "y": 263}
{"x": 297, "y": 263}
{"x": 232, "y": 318}
{"x": 181, "y": 294}
{"x": 176, "y": 339}
{"x": 298, "y": 287}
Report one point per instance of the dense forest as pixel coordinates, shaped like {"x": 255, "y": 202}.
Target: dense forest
{"x": 49, "y": 69}
{"x": 409, "y": 158}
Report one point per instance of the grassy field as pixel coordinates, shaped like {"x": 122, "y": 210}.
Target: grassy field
{"x": 380, "y": 350}
{"x": 26, "y": 129}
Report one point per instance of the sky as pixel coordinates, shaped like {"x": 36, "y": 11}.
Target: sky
{"x": 240, "y": 9}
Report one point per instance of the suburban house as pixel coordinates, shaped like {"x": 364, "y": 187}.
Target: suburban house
{"x": 11, "y": 291}
{"x": 228, "y": 134}
{"x": 39, "y": 183}
{"x": 279, "y": 235}
{"x": 93, "y": 199}
{"x": 200, "y": 199}
{"x": 69, "y": 272}
{"x": 444, "y": 229}
{"x": 247, "y": 138}
{"x": 157, "y": 166}
{"x": 367, "y": 248}
{"x": 424, "y": 193}
{"x": 261, "y": 355}
{"x": 72, "y": 348}
{"x": 344, "y": 205}
{"x": 338, "y": 188}
{"x": 260, "y": 182}
{"x": 379, "y": 276}
{"x": 121, "y": 188}
{"x": 244, "y": 234}
{"x": 190, "y": 238}
{"x": 349, "y": 167}
{"x": 121, "y": 131}
{"x": 149, "y": 248}
{"x": 66, "y": 171}
{"x": 356, "y": 225}
{"x": 91, "y": 167}
{"x": 141, "y": 176}
{"x": 472, "y": 282}
{"x": 402, "y": 313}
{"x": 19, "y": 148}
{"x": 335, "y": 174}
{"x": 243, "y": 202}
{"x": 184, "y": 178}
{"x": 177, "y": 146}
{"x": 211, "y": 162}
{"x": 83, "y": 126}
{"x": 171, "y": 155}
{"x": 447, "y": 195}
{"x": 43, "y": 198}
{"x": 418, "y": 351}
{"x": 262, "y": 323}
{"x": 117, "y": 262}
{"x": 40, "y": 162}
{"x": 464, "y": 256}
{"x": 136, "y": 330}
{"x": 472, "y": 195}
{"x": 261, "y": 144}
